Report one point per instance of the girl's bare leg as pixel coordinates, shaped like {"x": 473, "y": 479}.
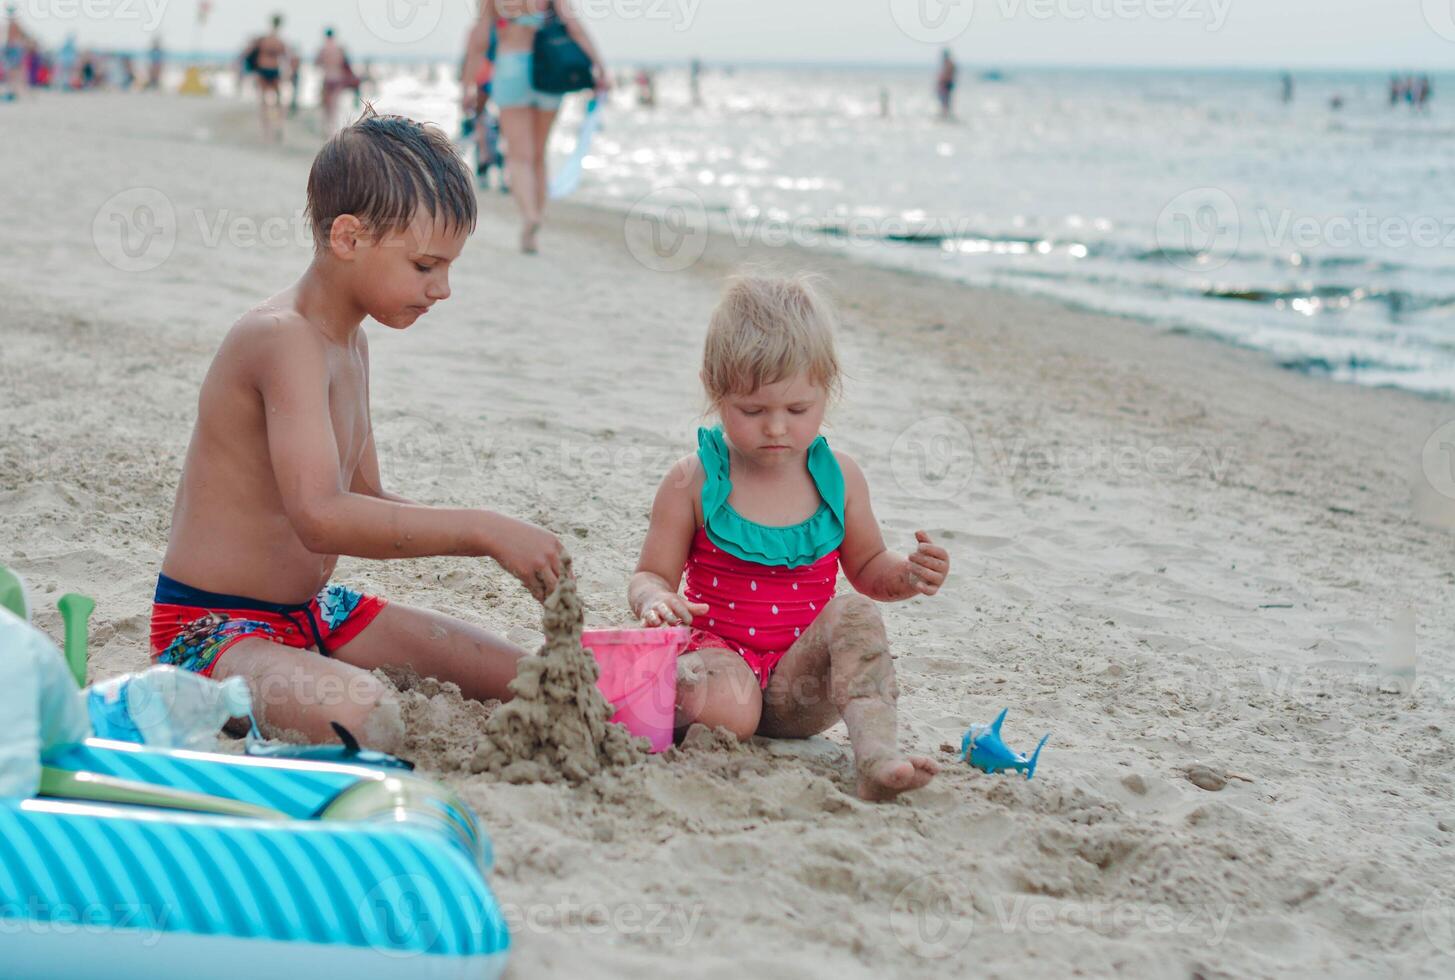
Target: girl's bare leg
{"x": 841, "y": 668}
{"x": 715, "y": 688}
{"x": 517, "y": 125}
{"x": 544, "y": 120}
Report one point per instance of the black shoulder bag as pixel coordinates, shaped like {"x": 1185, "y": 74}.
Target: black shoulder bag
{"x": 558, "y": 64}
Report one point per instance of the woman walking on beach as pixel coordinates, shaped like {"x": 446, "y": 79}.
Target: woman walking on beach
{"x": 526, "y": 114}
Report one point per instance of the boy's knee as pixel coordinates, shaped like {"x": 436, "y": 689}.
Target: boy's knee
{"x": 374, "y": 716}
{"x": 855, "y": 615}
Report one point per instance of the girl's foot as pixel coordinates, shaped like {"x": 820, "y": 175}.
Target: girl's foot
{"x": 883, "y": 779}
{"x": 528, "y": 237}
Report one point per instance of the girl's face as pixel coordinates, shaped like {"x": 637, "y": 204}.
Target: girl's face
{"x": 777, "y": 423}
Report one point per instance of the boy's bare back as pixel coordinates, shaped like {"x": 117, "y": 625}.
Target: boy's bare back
{"x": 231, "y": 527}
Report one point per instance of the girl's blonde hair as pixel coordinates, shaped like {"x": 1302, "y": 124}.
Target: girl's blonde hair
{"x": 767, "y": 329}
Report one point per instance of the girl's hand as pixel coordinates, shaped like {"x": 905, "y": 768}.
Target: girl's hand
{"x": 671, "y": 609}
{"x": 928, "y": 566}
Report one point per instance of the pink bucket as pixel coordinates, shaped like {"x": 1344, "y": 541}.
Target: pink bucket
{"x": 639, "y": 677}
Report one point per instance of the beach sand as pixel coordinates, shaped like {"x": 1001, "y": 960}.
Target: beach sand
{"x": 1168, "y": 553}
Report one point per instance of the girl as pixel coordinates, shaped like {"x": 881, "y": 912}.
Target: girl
{"x": 760, "y": 520}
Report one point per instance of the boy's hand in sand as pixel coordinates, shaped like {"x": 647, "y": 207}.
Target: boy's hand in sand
{"x": 928, "y": 566}
{"x": 671, "y": 609}
{"x": 532, "y": 554}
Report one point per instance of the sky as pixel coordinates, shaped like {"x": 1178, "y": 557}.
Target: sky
{"x": 1380, "y": 34}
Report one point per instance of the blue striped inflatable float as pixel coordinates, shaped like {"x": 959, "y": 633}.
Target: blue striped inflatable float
{"x": 143, "y": 863}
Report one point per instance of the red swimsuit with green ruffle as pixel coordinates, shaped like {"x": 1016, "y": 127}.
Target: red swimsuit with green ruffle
{"x": 763, "y": 585}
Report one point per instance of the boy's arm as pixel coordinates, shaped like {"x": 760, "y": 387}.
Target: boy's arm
{"x": 871, "y": 568}
{"x": 331, "y": 519}
{"x": 367, "y": 480}
{"x": 653, "y": 591}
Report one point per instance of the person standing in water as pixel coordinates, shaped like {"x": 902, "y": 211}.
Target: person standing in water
{"x": 265, "y": 58}
{"x": 945, "y": 84}
{"x": 526, "y": 114}
{"x": 335, "y": 67}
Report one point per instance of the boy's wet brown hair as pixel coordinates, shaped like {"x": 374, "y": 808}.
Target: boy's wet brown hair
{"x": 383, "y": 170}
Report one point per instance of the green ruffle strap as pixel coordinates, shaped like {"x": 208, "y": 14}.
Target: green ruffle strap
{"x": 791, "y": 547}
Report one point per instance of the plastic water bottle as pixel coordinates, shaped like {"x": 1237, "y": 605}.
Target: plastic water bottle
{"x": 166, "y": 707}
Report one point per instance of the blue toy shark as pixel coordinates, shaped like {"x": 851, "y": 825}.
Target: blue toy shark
{"x": 982, "y": 748}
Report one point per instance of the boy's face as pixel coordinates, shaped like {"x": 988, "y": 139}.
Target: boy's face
{"x": 778, "y": 422}
{"x": 400, "y": 276}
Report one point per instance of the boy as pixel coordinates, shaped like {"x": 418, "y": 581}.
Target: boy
{"x": 281, "y": 475}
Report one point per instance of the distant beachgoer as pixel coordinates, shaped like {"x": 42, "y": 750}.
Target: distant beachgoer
{"x": 336, "y": 78}
{"x": 1423, "y": 91}
{"x": 526, "y": 114}
{"x": 694, "y": 81}
{"x": 1287, "y": 88}
{"x": 883, "y": 103}
{"x": 1337, "y": 102}
{"x": 294, "y": 62}
{"x": 155, "y": 57}
{"x": 265, "y": 57}
{"x": 126, "y": 73}
{"x": 945, "y": 84}
{"x": 481, "y": 124}
{"x": 646, "y": 89}
{"x": 64, "y": 78}
{"x": 1396, "y": 90}
{"x": 18, "y": 44}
